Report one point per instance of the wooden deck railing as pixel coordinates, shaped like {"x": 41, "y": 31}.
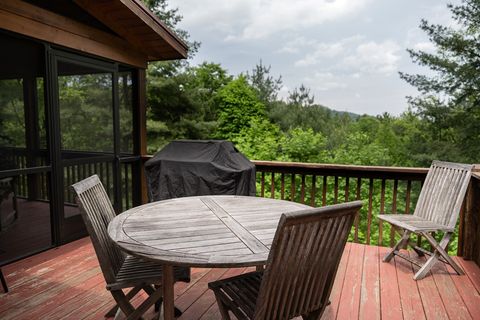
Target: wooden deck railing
{"x": 383, "y": 189}
{"x": 77, "y": 166}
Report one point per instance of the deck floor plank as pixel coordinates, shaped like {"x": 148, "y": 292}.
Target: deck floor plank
{"x": 391, "y": 305}
{"x": 370, "y": 287}
{"x": 453, "y": 302}
{"x": 431, "y": 299}
{"x": 332, "y": 310}
{"x": 412, "y": 306}
{"x": 350, "y": 297}
{"x": 468, "y": 292}
{"x": 66, "y": 283}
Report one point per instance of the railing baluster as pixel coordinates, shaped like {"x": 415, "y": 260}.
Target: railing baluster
{"x": 357, "y": 218}
{"x": 347, "y": 188}
{"x": 262, "y": 183}
{"x": 282, "y": 187}
{"x": 369, "y": 216}
{"x": 407, "y": 197}
{"x": 292, "y": 187}
{"x": 313, "y": 192}
{"x": 302, "y": 190}
{"x": 335, "y": 190}
{"x": 382, "y": 211}
{"x": 394, "y": 211}
{"x": 69, "y": 183}
{"x": 419, "y": 237}
{"x": 101, "y": 173}
{"x": 324, "y": 191}
{"x": 127, "y": 202}
{"x": 272, "y": 186}
{"x": 108, "y": 179}
{"x": 460, "y": 230}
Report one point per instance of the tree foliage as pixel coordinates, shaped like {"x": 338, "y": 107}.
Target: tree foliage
{"x": 238, "y": 105}
{"x": 266, "y": 86}
{"x": 450, "y": 100}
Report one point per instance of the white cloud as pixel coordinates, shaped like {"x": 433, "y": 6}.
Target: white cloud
{"x": 324, "y": 50}
{"x": 324, "y": 81}
{"x": 296, "y": 44}
{"x": 257, "y": 19}
{"x": 424, "y": 46}
{"x": 373, "y": 57}
{"x": 354, "y": 54}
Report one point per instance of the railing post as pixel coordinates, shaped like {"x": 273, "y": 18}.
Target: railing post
{"x": 470, "y": 227}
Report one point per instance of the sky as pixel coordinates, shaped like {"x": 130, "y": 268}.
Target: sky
{"x": 348, "y": 52}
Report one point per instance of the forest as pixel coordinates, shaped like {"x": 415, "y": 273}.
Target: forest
{"x": 206, "y": 102}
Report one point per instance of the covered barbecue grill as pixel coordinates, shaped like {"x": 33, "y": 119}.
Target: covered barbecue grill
{"x": 199, "y": 167}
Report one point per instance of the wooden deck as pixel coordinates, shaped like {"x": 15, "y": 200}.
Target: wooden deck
{"x": 66, "y": 283}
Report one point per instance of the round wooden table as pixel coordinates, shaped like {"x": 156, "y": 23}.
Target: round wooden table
{"x": 205, "y": 231}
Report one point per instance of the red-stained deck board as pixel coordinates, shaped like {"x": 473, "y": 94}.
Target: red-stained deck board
{"x": 456, "y": 308}
{"x": 19, "y": 271}
{"x": 199, "y": 288}
{"x": 412, "y": 306}
{"x": 202, "y": 304}
{"x": 370, "y": 288}
{"x": 468, "y": 293}
{"x": 472, "y": 271}
{"x": 350, "y": 297}
{"x": 40, "y": 288}
{"x": 389, "y": 291}
{"x": 432, "y": 302}
{"x": 332, "y": 309}
{"x": 66, "y": 283}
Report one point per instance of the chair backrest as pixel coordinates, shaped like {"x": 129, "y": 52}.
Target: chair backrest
{"x": 303, "y": 260}
{"x": 443, "y": 192}
{"x": 97, "y": 212}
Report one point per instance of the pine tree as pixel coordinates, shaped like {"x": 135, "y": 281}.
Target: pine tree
{"x": 450, "y": 99}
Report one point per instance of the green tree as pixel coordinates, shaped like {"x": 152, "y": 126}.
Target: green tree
{"x": 204, "y": 82}
{"x": 301, "y": 96}
{"x": 260, "y": 140}
{"x": 266, "y": 86}
{"x": 238, "y": 105}
{"x": 303, "y": 145}
{"x": 450, "y": 100}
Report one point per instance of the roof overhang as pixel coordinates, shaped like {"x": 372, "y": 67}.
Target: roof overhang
{"x": 136, "y": 35}
{"x": 134, "y": 22}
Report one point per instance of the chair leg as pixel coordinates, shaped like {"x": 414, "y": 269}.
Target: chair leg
{"x": 439, "y": 250}
{"x": 137, "y": 313}
{"x": 130, "y": 312}
{"x": 315, "y": 315}
{"x": 4, "y": 283}
{"x": 112, "y": 312}
{"x": 122, "y": 302}
{"x": 223, "y": 308}
{"x": 400, "y": 244}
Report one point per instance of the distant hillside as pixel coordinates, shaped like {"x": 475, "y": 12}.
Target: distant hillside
{"x": 352, "y": 115}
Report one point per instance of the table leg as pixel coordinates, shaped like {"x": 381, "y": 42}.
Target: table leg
{"x": 168, "y": 295}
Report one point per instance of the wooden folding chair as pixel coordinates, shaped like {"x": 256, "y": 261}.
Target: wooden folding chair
{"x": 437, "y": 210}
{"x": 119, "y": 269}
{"x": 300, "y": 270}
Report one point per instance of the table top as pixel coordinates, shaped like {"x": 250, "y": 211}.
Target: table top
{"x": 205, "y": 231}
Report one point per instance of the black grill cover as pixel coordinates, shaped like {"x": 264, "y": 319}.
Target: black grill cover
{"x": 199, "y": 167}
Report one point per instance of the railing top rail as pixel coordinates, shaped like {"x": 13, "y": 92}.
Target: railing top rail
{"x": 342, "y": 169}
